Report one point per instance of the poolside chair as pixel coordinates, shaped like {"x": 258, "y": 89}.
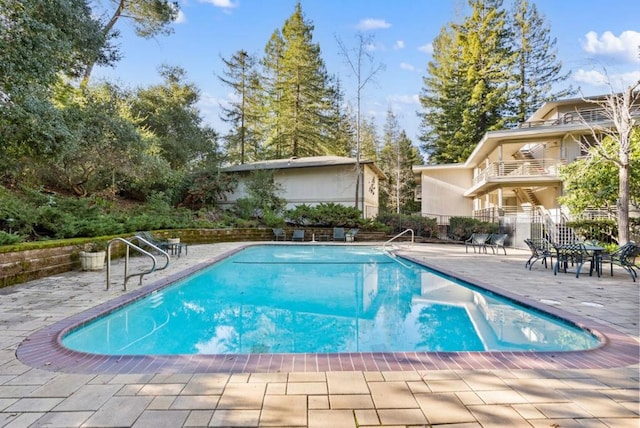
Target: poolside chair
{"x": 625, "y": 257}
{"x": 352, "y": 233}
{"x": 298, "y": 235}
{"x": 159, "y": 243}
{"x": 279, "y": 234}
{"x": 497, "y": 240}
{"x": 338, "y": 234}
{"x": 540, "y": 250}
{"x": 477, "y": 240}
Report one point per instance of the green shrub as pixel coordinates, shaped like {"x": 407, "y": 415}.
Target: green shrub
{"x": 325, "y": 215}
{"x": 601, "y": 230}
{"x": 422, "y": 226}
{"x": 461, "y": 228}
{"x": 9, "y": 238}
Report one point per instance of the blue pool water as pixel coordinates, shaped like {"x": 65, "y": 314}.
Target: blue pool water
{"x": 321, "y": 299}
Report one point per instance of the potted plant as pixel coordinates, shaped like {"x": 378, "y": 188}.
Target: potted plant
{"x": 92, "y": 257}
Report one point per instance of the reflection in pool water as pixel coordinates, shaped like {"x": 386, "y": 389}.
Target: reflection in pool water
{"x": 321, "y": 299}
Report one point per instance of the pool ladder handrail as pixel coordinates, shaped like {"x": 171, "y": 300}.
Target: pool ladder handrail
{"x": 384, "y": 246}
{"x": 128, "y": 244}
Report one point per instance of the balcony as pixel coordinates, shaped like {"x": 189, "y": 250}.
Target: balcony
{"x": 516, "y": 173}
{"x": 576, "y": 117}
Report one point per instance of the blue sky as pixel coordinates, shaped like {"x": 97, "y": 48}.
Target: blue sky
{"x": 593, "y": 37}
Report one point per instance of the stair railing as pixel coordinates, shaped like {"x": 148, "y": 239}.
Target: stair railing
{"x": 384, "y": 246}
{"x": 128, "y": 246}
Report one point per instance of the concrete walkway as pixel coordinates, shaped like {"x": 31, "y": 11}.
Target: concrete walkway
{"x": 452, "y": 398}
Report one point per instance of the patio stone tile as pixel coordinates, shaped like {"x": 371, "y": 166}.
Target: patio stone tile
{"x": 119, "y": 412}
{"x": 507, "y": 396}
{"x": 401, "y": 417}
{"x": 161, "y": 418}
{"x": 438, "y": 375}
{"x": 318, "y": 401}
{"x": 621, "y": 422}
{"x": 242, "y": 396}
{"x": 497, "y": 415}
{"x": 601, "y": 405}
{"x": 444, "y": 408}
{"x": 16, "y": 391}
{"x": 89, "y": 397}
{"x": 570, "y": 423}
{"x": 161, "y": 389}
{"x": 32, "y": 377}
{"x": 22, "y": 420}
{"x": 307, "y": 388}
{"x": 367, "y": 417}
{"x": 235, "y": 418}
{"x": 483, "y": 381}
{"x": 206, "y": 384}
{"x": 392, "y": 395}
{"x": 284, "y": 410}
{"x": 404, "y": 376}
{"x": 469, "y": 398}
{"x": 362, "y": 401}
{"x": 63, "y": 419}
{"x": 175, "y": 378}
{"x": 528, "y": 411}
{"x": 418, "y": 387}
{"x": 131, "y": 378}
{"x": 162, "y": 402}
{"x": 566, "y": 410}
{"x": 331, "y": 419}
{"x": 6, "y": 402}
{"x": 131, "y": 389}
{"x": 448, "y": 385}
{"x": 347, "y": 383}
{"x": 306, "y": 377}
{"x": 33, "y": 405}
{"x": 276, "y": 388}
{"x": 199, "y": 418}
{"x": 373, "y": 376}
{"x": 196, "y": 402}
{"x": 267, "y": 377}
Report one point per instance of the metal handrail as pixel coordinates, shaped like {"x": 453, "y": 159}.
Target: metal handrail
{"x": 128, "y": 245}
{"x": 384, "y": 246}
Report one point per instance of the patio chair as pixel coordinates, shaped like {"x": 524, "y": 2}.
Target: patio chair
{"x": 279, "y": 234}
{"x": 625, "y": 257}
{"x": 477, "y": 240}
{"x": 497, "y": 240}
{"x": 159, "y": 243}
{"x": 298, "y": 235}
{"x": 352, "y": 233}
{"x": 338, "y": 234}
{"x": 540, "y": 250}
{"x": 576, "y": 254}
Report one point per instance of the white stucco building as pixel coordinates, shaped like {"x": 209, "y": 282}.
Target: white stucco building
{"x": 315, "y": 180}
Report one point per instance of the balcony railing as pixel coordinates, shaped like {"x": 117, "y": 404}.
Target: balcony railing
{"x": 575, "y": 117}
{"x": 519, "y": 168}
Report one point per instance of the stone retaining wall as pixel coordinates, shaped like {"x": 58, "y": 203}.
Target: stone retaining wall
{"x": 22, "y": 266}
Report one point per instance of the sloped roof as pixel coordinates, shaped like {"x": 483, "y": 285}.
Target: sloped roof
{"x": 307, "y": 162}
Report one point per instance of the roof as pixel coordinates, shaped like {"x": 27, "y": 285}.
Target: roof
{"x": 307, "y": 162}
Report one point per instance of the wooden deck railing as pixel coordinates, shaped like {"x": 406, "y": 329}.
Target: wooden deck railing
{"x": 519, "y": 168}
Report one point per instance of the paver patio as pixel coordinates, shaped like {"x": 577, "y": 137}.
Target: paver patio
{"x": 603, "y": 397}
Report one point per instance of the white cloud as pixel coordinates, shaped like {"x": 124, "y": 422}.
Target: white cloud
{"x": 406, "y": 66}
{"x": 181, "y": 19}
{"x": 372, "y": 24}
{"x": 404, "y": 99}
{"x": 428, "y": 48}
{"x": 624, "y": 46}
{"x": 224, "y": 4}
{"x": 399, "y": 44}
{"x": 617, "y": 81}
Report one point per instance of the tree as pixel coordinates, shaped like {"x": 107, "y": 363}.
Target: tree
{"x": 397, "y": 157}
{"x": 538, "y": 69}
{"x": 150, "y": 18}
{"x": 169, "y": 112}
{"x": 357, "y": 59}
{"x": 300, "y": 95}
{"x": 618, "y": 109}
{"x": 40, "y": 43}
{"x": 480, "y": 61}
{"x": 240, "y": 76}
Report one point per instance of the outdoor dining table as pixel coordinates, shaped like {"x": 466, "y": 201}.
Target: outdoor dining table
{"x": 594, "y": 250}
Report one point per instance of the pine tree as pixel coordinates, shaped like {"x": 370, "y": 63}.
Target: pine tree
{"x": 444, "y": 99}
{"x": 238, "y": 76}
{"x": 341, "y": 133}
{"x": 273, "y": 85}
{"x": 537, "y": 66}
{"x": 300, "y": 95}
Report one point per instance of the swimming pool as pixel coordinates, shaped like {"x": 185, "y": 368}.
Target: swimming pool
{"x": 321, "y": 299}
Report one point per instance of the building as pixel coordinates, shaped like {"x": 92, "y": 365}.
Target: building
{"x": 514, "y": 173}
{"x": 315, "y": 180}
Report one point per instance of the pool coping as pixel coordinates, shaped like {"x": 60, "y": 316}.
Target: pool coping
{"x": 43, "y": 349}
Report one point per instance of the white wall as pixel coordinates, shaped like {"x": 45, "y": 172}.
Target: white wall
{"x": 443, "y": 190}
